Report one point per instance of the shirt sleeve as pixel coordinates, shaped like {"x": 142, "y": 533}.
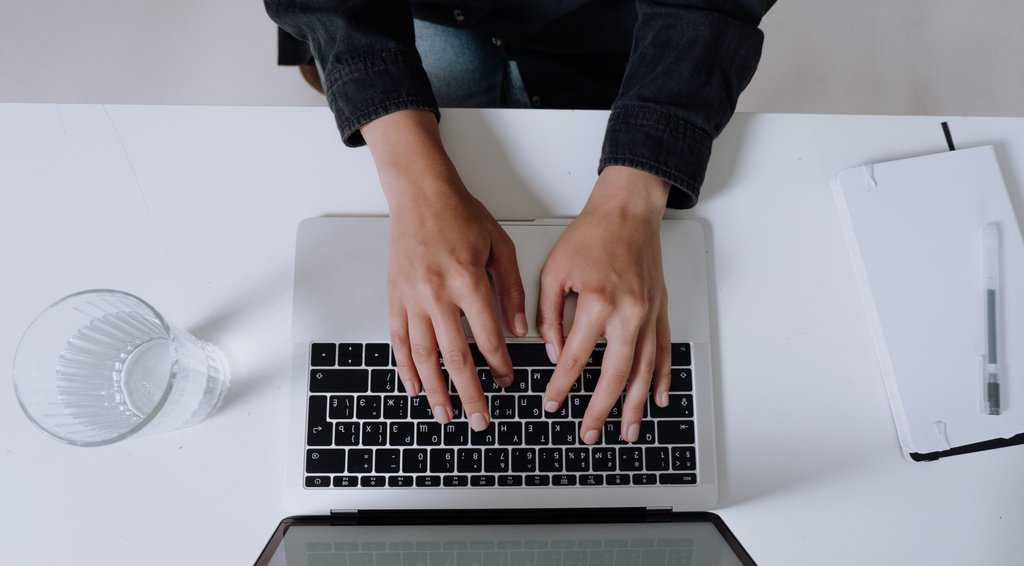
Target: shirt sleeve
{"x": 689, "y": 62}
{"x": 366, "y": 51}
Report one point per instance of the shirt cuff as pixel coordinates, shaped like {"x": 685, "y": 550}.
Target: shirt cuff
{"x": 364, "y": 87}
{"x": 655, "y": 140}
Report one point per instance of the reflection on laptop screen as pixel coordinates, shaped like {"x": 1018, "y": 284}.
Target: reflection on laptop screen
{"x": 648, "y": 544}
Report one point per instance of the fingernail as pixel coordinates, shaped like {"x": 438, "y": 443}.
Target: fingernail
{"x": 550, "y": 406}
{"x": 442, "y": 414}
{"x": 632, "y": 433}
{"x": 520, "y": 323}
{"x": 590, "y": 437}
{"x": 663, "y": 399}
{"x": 552, "y": 352}
{"x": 477, "y": 422}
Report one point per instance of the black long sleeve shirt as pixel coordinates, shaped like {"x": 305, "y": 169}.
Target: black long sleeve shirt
{"x": 682, "y": 64}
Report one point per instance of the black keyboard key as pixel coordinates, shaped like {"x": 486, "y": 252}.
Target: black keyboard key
{"x": 549, "y": 459}
{"x": 524, "y": 460}
{"x": 597, "y": 356}
{"x": 520, "y": 381}
{"x": 368, "y": 407}
{"x": 478, "y": 358}
{"x": 510, "y": 481}
{"x": 318, "y": 481}
{"x": 455, "y": 481}
{"x": 656, "y": 459}
{"x": 681, "y": 354}
{"x": 677, "y": 479}
{"x": 456, "y": 433}
{"x": 401, "y": 434}
{"x": 563, "y": 433}
{"x": 510, "y": 434}
{"x": 679, "y": 407}
{"x": 645, "y": 479}
{"x": 616, "y": 410}
{"x": 360, "y": 461}
{"x": 503, "y": 407}
{"x": 442, "y": 460}
{"x": 496, "y": 460}
{"x": 563, "y": 480}
{"x": 631, "y": 459}
{"x": 374, "y": 433}
{"x": 617, "y": 479}
{"x": 373, "y": 481}
{"x": 377, "y": 355}
{"x": 414, "y": 461}
{"x": 325, "y": 461}
{"x": 428, "y": 481}
{"x": 400, "y": 481}
{"x": 456, "y": 406}
{"x": 383, "y": 381}
{"x": 577, "y": 459}
{"x": 469, "y": 460}
{"x": 428, "y": 434}
{"x": 539, "y": 379}
{"x": 591, "y": 480}
{"x": 483, "y": 481}
{"x": 675, "y": 432}
{"x": 387, "y": 461}
{"x": 322, "y": 355}
{"x": 578, "y": 405}
{"x": 603, "y": 459}
{"x": 318, "y": 430}
{"x": 487, "y": 381}
{"x": 682, "y": 380}
{"x": 419, "y": 408}
{"x": 561, "y": 413}
{"x": 341, "y": 407}
{"x": 485, "y": 437}
{"x": 613, "y": 432}
{"x": 528, "y": 355}
{"x": 534, "y": 480}
{"x": 529, "y": 407}
{"x": 339, "y": 380}
{"x": 396, "y": 407}
{"x": 589, "y": 379}
{"x": 536, "y": 433}
{"x": 350, "y": 355}
{"x": 346, "y": 481}
{"x": 346, "y": 433}
{"x": 684, "y": 458}
{"x": 647, "y": 434}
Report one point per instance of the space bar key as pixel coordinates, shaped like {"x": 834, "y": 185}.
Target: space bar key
{"x": 528, "y": 354}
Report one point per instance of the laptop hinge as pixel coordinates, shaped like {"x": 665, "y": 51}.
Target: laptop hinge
{"x": 497, "y": 516}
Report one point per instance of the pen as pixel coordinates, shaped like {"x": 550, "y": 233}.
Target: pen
{"x": 990, "y": 274}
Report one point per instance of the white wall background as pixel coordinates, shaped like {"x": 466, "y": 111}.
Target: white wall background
{"x": 863, "y": 56}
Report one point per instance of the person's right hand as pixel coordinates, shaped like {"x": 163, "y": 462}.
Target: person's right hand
{"x": 444, "y": 244}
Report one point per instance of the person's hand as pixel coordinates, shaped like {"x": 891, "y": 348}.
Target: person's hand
{"x": 444, "y": 244}
{"x": 610, "y": 256}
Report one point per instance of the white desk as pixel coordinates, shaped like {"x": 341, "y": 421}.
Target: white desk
{"x": 195, "y": 210}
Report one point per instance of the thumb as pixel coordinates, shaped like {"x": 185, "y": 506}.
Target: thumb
{"x": 508, "y": 284}
{"x": 549, "y": 314}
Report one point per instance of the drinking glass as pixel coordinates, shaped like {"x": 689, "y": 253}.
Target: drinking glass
{"x": 99, "y": 366}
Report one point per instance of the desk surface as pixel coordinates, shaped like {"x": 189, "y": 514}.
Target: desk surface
{"x": 195, "y": 209}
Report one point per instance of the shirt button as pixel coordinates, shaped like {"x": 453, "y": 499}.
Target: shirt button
{"x": 458, "y": 15}
{"x": 496, "y": 41}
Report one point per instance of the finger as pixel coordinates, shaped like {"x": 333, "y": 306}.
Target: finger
{"x": 638, "y": 387}
{"x": 615, "y": 368}
{"x": 476, "y": 304}
{"x": 549, "y": 315}
{"x": 663, "y": 358}
{"x": 403, "y": 355}
{"x": 508, "y": 284}
{"x": 586, "y": 330}
{"x": 423, "y": 345}
{"x": 460, "y": 366}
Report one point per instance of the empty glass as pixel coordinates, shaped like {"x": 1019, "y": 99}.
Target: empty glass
{"x": 99, "y": 366}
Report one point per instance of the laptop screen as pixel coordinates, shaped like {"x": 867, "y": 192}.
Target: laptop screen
{"x": 634, "y": 544}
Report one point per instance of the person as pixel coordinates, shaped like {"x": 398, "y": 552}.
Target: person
{"x": 671, "y": 73}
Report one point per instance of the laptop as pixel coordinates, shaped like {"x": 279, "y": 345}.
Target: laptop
{"x": 365, "y": 454}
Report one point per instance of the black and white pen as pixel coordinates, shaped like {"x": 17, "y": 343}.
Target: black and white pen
{"x": 990, "y": 272}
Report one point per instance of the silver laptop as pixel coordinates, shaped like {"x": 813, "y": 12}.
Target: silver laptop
{"x": 359, "y": 442}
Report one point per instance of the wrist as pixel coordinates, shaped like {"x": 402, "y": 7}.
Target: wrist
{"x": 631, "y": 191}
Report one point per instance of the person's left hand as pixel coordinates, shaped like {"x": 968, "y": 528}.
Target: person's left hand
{"x": 610, "y": 256}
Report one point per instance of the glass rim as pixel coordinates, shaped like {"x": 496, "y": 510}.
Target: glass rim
{"x": 145, "y": 419}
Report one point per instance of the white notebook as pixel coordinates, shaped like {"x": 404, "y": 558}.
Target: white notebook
{"x": 914, "y": 229}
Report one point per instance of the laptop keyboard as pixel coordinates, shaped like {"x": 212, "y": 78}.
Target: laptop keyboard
{"x": 363, "y": 430}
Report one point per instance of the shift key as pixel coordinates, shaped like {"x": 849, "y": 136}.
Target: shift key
{"x": 339, "y": 380}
